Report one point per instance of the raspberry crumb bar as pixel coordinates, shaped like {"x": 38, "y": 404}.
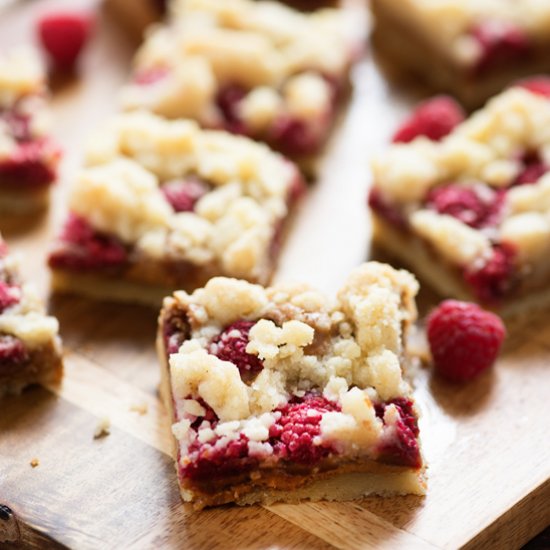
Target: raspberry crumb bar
{"x": 28, "y": 156}
{"x": 472, "y": 49}
{"x": 471, "y": 211}
{"x": 255, "y": 68}
{"x": 30, "y": 348}
{"x": 165, "y": 205}
{"x": 281, "y": 394}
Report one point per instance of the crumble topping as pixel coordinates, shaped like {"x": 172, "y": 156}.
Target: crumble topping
{"x": 21, "y": 74}
{"x": 349, "y": 350}
{"x": 488, "y": 154}
{"x": 232, "y": 222}
{"x": 275, "y": 54}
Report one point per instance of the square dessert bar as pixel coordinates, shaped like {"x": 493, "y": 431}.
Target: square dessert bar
{"x": 259, "y": 69}
{"x": 30, "y": 348}
{"x": 282, "y": 394}
{"x": 28, "y": 156}
{"x": 469, "y": 48}
{"x": 471, "y": 213}
{"x": 164, "y": 205}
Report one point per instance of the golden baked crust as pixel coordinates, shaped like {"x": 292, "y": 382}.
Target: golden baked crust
{"x": 347, "y": 351}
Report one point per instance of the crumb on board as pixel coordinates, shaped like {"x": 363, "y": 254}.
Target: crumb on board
{"x": 35, "y": 462}
{"x": 140, "y": 408}
{"x": 103, "y": 427}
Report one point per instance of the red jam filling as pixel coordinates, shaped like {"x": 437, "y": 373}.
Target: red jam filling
{"x": 495, "y": 279}
{"x": 403, "y": 449}
{"x": 228, "y": 100}
{"x": 27, "y": 166}
{"x": 383, "y": 208}
{"x": 175, "y": 331}
{"x": 533, "y": 168}
{"x": 12, "y": 352}
{"x": 184, "y": 194}
{"x": 80, "y": 247}
{"x": 230, "y": 345}
{"x": 9, "y": 296}
{"x": 477, "y": 208}
{"x": 501, "y": 43}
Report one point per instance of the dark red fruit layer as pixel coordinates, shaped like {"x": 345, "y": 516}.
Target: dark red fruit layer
{"x": 539, "y": 85}
{"x": 27, "y": 168}
{"x": 12, "y": 352}
{"x": 80, "y": 247}
{"x": 501, "y": 43}
{"x": 467, "y": 205}
{"x": 532, "y": 170}
{"x": 184, "y": 194}
{"x": 433, "y": 119}
{"x": 294, "y": 137}
{"x": 228, "y": 99}
{"x": 384, "y": 209}
{"x": 176, "y": 330}
{"x": 292, "y": 435}
{"x": 404, "y": 449}
{"x": 464, "y": 339}
{"x": 63, "y": 35}
{"x": 9, "y": 296}
{"x": 232, "y": 347}
{"x": 495, "y": 279}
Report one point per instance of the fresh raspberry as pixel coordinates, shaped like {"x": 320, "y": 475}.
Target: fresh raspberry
{"x": 292, "y": 436}
{"x": 12, "y": 351}
{"x": 228, "y": 100}
{"x": 82, "y": 248}
{"x": 433, "y": 119}
{"x": 533, "y": 169}
{"x": 293, "y": 137}
{"x": 63, "y": 35}
{"x": 175, "y": 331}
{"x": 383, "y": 208}
{"x": 467, "y": 204}
{"x": 9, "y": 295}
{"x": 403, "y": 448}
{"x": 495, "y": 278}
{"x": 539, "y": 85}
{"x": 464, "y": 339}
{"x": 27, "y": 166}
{"x": 230, "y": 345}
{"x": 183, "y": 194}
{"x": 500, "y": 43}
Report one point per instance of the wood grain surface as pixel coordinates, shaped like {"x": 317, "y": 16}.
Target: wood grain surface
{"x": 487, "y": 443}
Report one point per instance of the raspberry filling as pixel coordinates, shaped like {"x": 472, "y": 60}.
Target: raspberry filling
{"x": 533, "y": 168}
{"x": 291, "y": 437}
{"x": 27, "y": 166}
{"x": 500, "y": 43}
{"x": 81, "y": 247}
{"x": 477, "y": 207}
{"x": 228, "y": 100}
{"x": 184, "y": 194}
{"x": 9, "y": 296}
{"x": 403, "y": 448}
{"x": 495, "y": 279}
{"x": 539, "y": 85}
{"x": 175, "y": 331}
{"x": 230, "y": 345}
{"x": 383, "y": 208}
{"x": 12, "y": 353}
{"x": 433, "y": 119}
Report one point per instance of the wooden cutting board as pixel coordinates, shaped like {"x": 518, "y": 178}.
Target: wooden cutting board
{"x": 487, "y": 444}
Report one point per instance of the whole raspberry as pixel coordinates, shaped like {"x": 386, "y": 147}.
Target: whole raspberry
{"x": 495, "y": 278}
{"x": 500, "y": 42}
{"x": 292, "y": 436}
{"x": 12, "y": 351}
{"x": 539, "y": 85}
{"x": 183, "y": 194}
{"x": 63, "y": 35}
{"x": 230, "y": 345}
{"x": 403, "y": 448}
{"x": 465, "y": 203}
{"x": 464, "y": 339}
{"x": 9, "y": 295}
{"x": 433, "y": 119}
{"x": 81, "y": 247}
